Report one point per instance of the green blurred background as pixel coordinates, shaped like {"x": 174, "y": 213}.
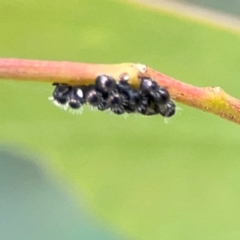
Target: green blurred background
{"x": 134, "y": 178}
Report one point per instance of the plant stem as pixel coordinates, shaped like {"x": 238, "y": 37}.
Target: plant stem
{"x": 61, "y": 72}
{"x": 209, "y": 99}
{"x": 213, "y": 100}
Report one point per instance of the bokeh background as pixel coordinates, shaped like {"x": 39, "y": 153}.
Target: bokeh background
{"x": 100, "y": 176}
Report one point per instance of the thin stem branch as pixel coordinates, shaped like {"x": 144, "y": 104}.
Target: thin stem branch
{"x": 63, "y": 72}
{"x": 209, "y": 99}
{"x": 213, "y": 100}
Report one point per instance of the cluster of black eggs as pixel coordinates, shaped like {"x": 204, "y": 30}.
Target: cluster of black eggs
{"x": 106, "y": 93}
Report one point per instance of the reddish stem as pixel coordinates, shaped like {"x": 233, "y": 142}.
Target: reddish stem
{"x": 53, "y": 71}
{"x": 209, "y": 99}
{"x": 213, "y": 100}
